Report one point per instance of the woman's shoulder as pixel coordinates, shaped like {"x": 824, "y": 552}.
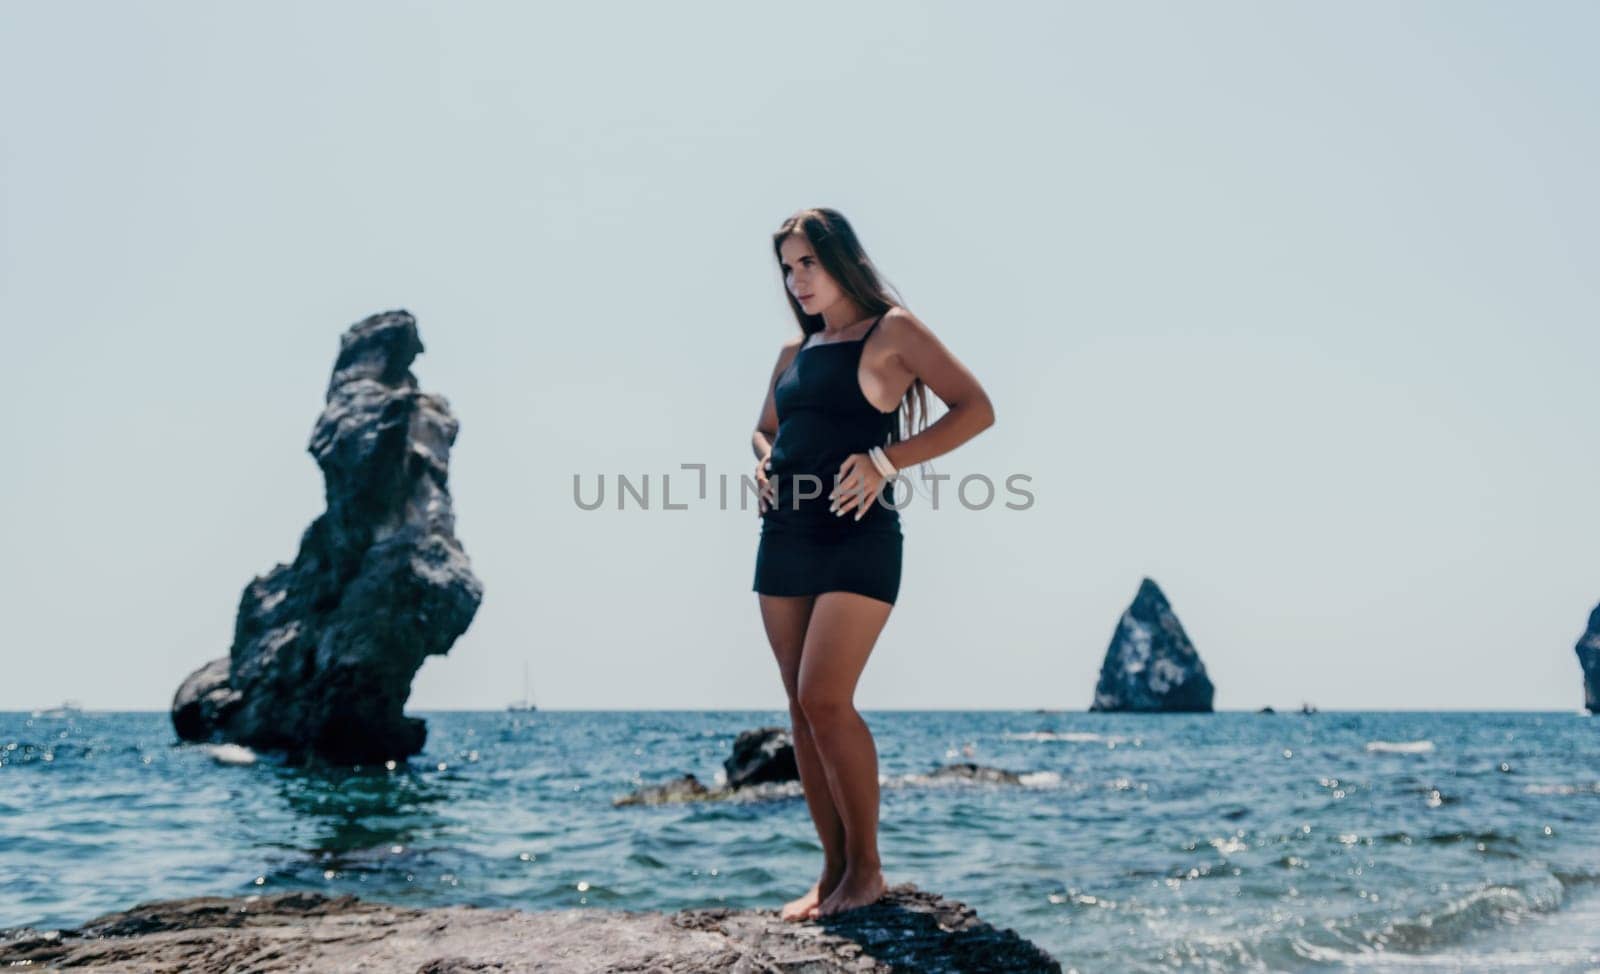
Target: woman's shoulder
{"x": 786, "y": 353}
{"x": 896, "y": 313}
{"x": 900, "y": 321}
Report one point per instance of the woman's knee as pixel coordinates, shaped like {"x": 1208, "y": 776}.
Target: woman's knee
{"x": 823, "y": 707}
{"x": 797, "y": 714}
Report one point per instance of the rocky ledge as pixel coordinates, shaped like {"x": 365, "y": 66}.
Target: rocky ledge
{"x": 908, "y": 930}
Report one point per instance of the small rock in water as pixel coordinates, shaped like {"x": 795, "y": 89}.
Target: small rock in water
{"x": 977, "y": 772}
{"x": 761, "y": 754}
{"x": 685, "y": 789}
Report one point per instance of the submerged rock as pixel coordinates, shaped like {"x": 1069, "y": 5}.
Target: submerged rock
{"x": 324, "y": 650}
{"x": 685, "y": 789}
{"x": 969, "y": 771}
{"x": 762, "y": 767}
{"x": 1589, "y": 658}
{"x": 1151, "y": 665}
{"x": 907, "y": 930}
{"x": 689, "y": 789}
{"x": 762, "y": 757}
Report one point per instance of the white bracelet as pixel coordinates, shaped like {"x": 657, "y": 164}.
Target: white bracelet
{"x": 881, "y": 461}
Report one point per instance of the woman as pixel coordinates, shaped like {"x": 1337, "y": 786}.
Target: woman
{"x": 828, "y": 564}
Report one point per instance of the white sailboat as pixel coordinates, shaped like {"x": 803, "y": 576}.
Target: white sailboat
{"x": 526, "y": 703}
{"x": 69, "y": 708}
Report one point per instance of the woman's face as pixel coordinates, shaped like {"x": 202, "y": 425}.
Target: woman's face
{"x": 804, "y": 276}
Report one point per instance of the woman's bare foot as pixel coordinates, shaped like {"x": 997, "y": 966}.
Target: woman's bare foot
{"x": 854, "y": 890}
{"x": 805, "y": 906}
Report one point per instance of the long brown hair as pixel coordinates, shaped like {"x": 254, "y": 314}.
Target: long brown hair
{"x": 842, "y": 256}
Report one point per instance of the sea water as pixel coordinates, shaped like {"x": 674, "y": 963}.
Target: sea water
{"x": 1236, "y": 841}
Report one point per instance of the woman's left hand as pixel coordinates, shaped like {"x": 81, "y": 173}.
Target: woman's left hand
{"x": 858, "y": 486}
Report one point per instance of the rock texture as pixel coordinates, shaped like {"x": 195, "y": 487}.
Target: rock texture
{"x": 1151, "y": 665}
{"x": 762, "y": 754}
{"x": 682, "y": 789}
{"x": 908, "y": 930}
{"x": 762, "y": 765}
{"x": 324, "y": 650}
{"x": 1589, "y": 657}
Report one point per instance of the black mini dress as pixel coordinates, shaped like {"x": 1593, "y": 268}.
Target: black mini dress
{"x": 824, "y": 417}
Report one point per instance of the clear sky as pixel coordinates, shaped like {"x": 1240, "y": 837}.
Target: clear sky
{"x": 1290, "y": 307}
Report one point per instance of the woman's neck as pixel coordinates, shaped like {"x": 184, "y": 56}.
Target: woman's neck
{"x": 855, "y": 319}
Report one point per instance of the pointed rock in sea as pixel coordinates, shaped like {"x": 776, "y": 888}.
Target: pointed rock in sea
{"x": 1151, "y": 666}
{"x": 1589, "y": 658}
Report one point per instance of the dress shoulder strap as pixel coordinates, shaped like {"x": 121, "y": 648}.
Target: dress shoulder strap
{"x": 874, "y": 327}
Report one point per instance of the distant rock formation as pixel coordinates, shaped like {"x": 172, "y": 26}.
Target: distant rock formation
{"x": 1589, "y": 657}
{"x": 324, "y": 650}
{"x": 1151, "y": 665}
{"x": 909, "y": 929}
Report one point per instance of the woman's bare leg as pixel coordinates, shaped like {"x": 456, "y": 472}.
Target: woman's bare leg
{"x": 785, "y": 619}
{"x": 843, "y": 628}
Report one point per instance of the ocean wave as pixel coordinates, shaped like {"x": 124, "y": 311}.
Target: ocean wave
{"x": 981, "y": 778}
{"x": 1399, "y": 747}
{"x": 1040, "y": 779}
{"x": 1077, "y": 737}
{"x": 767, "y": 791}
{"x": 1571, "y": 879}
{"x": 28, "y": 752}
{"x": 230, "y": 754}
{"x": 1563, "y": 789}
{"x": 1431, "y": 930}
{"x": 1079, "y": 899}
{"x": 1486, "y": 906}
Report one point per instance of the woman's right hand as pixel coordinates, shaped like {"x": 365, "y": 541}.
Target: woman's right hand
{"x": 765, "y": 495}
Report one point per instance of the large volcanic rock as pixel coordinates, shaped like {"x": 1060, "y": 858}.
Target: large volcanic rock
{"x": 324, "y": 650}
{"x": 1589, "y": 656}
{"x": 1151, "y": 665}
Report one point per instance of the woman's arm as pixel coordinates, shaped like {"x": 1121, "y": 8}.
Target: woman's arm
{"x": 924, "y": 356}
{"x": 767, "y": 423}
